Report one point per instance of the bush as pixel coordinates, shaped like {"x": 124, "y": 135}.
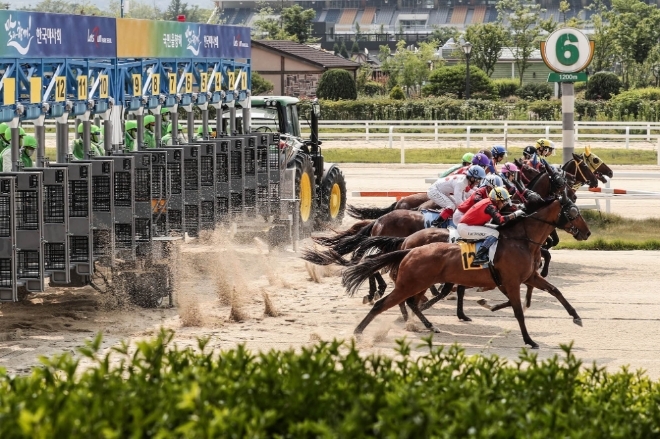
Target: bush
{"x": 325, "y": 390}
{"x": 546, "y": 110}
{"x": 451, "y": 81}
{"x": 506, "y": 87}
{"x": 642, "y": 101}
{"x": 603, "y": 85}
{"x": 534, "y": 92}
{"x": 260, "y": 85}
{"x": 336, "y": 84}
{"x": 397, "y": 93}
{"x": 373, "y": 88}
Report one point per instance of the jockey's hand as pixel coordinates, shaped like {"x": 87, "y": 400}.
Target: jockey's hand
{"x": 518, "y": 213}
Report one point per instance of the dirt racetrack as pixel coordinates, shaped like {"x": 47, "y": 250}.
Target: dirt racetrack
{"x": 615, "y": 293}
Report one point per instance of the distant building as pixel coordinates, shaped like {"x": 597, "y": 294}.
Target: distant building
{"x": 294, "y": 68}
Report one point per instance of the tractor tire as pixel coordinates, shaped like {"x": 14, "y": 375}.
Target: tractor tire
{"x": 332, "y": 202}
{"x": 306, "y": 193}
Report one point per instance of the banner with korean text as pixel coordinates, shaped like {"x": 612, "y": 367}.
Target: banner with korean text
{"x": 40, "y": 35}
{"x": 171, "y": 39}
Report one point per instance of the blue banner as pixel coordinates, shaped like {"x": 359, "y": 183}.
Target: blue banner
{"x": 224, "y": 41}
{"x": 40, "y": 35}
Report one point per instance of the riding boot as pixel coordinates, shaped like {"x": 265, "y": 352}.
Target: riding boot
{"x": 482, "y": 255}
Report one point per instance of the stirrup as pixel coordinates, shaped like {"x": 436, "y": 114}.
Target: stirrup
{"x": 478, "y": 261}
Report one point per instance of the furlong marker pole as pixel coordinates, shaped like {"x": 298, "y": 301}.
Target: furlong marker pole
{"x": 568, "y": 120}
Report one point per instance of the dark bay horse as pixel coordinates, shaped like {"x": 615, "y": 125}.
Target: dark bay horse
{"x": 514, "y": 264}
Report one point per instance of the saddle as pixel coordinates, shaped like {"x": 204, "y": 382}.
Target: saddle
{"x": 432, "y": 219}
{"x": 469, "y": 249}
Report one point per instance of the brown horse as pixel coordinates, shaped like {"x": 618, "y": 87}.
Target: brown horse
{"x": 514, "y": 264}
{"x": 407, "y": 203}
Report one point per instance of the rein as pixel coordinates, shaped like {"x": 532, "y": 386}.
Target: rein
{"x": 577, "y": 185}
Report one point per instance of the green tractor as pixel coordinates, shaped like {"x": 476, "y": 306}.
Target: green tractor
{"x": 319, "y": 186}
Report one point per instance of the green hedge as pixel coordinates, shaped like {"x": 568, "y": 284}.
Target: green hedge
{"x": 324, "y": 391}
{"x": 634, "y": 105}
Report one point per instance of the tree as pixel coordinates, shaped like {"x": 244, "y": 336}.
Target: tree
{"x": 261, "y": 85}
{"x": 343, "y": 51}
{"x": 487, "y": 41}
{"x": 336, "y": 84}
{"x": 364, "y": 74}
{"x": 443, "y": 34}
{"x": 603, "y": 85}
{"x": 66, "y": 7}
{"x": 267, "y": 27}
{"x": 451, "y": 81}
{"x": 397, "y": 94}
{"x": 408, "y": 68}
{"x": 355, "y": 49}
{"x": 298, "y": 22}
{"x": 336, "y": 49}
{"x": 526, "y": 27}
{"x": 603, "y": 37}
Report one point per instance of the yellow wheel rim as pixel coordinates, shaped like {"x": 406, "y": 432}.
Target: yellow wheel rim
{"x": 335, "y": 200}
{"x": 305, "y": 197}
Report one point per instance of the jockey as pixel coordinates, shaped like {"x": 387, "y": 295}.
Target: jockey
{"x": 478, "y": 159}
{"x": 472, "y": 225}
{"x": 467, "y": 160}
{"x": 487, "y": 184}
{"x": 448, "y": 192}
{"x": 513, "y": 185}
{"x": 498, "y": 152}
{"x": 543, "y": 148}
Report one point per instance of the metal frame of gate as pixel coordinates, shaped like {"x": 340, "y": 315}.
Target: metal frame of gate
{"x": 8, "y": 281}
{"x": 29, "y": 227}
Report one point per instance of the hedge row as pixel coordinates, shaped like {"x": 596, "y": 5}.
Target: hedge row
{"x": 328, "y": 390}
{"x": 621, "y": 107}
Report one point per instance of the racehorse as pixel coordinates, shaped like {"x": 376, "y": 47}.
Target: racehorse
{"x": 514, "y": 264}
{"x": 408, "y": 203}
{"x": 596, "y": 165}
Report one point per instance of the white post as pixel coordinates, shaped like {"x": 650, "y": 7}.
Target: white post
{"x": 506, "y": 143}
{"x": 403, "y": 151}
{"x": 468, "y": 137}
{"x": 627, "y": 137}
{"x": 607, "y": 200}
{"x": 648, "y": 132}
{"x": 547, "y": 132}
{"x": 391, "y": 134}
{"x": 576, "y": 131}
{"x": 569, "y": 132}
{"x": 366, "y": 129}
{"x": 436, "y": 132}
{"x": 658, "y": 151}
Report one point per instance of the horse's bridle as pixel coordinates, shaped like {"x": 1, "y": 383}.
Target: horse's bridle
{"x": 577, "y": 185}
{"x": 569, "y": 213}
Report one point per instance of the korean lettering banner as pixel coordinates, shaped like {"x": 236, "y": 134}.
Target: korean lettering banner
{"x": 40, "y": 35}
{"x": 171, "y": 39}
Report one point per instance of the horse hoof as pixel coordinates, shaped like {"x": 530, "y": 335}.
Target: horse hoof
{"x": 544, "y": 274}
{"x": 465, "y": 319}
{"x": 434, "y": 330}
{"x": 365, "y": 300}
{"x": 484, "y": 303}
{"x": 578, "y": 322}
{"x": 532, "y": 344}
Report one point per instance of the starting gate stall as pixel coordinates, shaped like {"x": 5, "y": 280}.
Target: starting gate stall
{"x": 123, "y": 189}
{"x": 56, "y": 224}
{"x": 29, "y": 228}
{"x": 207, "y": 185}
{"x": 8, "y": 285}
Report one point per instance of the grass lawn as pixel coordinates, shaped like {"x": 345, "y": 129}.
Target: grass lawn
{"x": 453, "y": 155}
{"x": 614, "y": 232}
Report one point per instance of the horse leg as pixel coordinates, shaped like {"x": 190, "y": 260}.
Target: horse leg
{"x": 542, "y": 284}
{"x": 412, "y": 303}
{"x": 528, "y": 296}
{"x": 446, "y": 289}
{"x": 372, "y": 290}
{"x": 404, "y": 311}
{"x": 528, "y": 301}
{"x": 396, "y": 296}
{"x": 434, "y": 290}
{"x": 512, "y": 291}
{"x": 545, "y": 254}
{"x": 460, "y": 291}
{"x": 382, "y": 285}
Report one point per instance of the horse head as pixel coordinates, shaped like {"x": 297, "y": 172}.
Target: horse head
{"x": 559, "y": 181}
{"x": 597, "y": 166}
{"x": 578, "y": 169}
{"x": 570, "y": 219}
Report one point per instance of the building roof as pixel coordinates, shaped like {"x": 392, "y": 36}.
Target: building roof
{"x": 305, "y": 53}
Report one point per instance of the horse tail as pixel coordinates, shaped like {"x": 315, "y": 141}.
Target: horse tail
{"x": 327, "y": 257}
{"x": 350, "y": 243}
{"x": 329, "y": 241}
{"x": 353, "y": 276}
{"x": 365, "y": 213}
{"x": 384, "y": 244}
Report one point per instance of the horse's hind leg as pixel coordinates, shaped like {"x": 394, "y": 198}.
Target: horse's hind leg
{"x": 542, "y": 284}
{"x": 545, "y": 254}
{"x": 528, "y": 296}
{"x": 528, "y": 301}
{"x": 396, "y": 296}
{"x": 412, "y": 303}
{"x": 446, "y": 289}
{"x": 369, "y": 298}
{"x": 434, "y": 290}
{"x": 460, "y": 292}
{"x": 404, "y": 311}
{"x": 382, "y": 285}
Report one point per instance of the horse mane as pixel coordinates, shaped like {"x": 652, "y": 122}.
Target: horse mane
{"x": 539, "y": 175}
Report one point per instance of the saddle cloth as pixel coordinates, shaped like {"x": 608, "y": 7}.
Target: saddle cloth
{"x": 469, "y": 249}
{"x": 431, "y": 218}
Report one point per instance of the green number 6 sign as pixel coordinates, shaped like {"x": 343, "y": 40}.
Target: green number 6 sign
{"x": 567, "y": 51}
